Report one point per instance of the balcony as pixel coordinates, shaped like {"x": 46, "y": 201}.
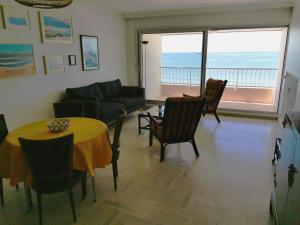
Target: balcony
{"x": 247, "y": 88}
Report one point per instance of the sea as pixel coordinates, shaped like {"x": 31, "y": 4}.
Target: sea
{"x": 239, "y": 68}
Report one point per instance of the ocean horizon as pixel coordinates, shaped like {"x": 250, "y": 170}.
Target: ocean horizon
{"x": 222, "y": 59}
{"x": 248, "y": 68}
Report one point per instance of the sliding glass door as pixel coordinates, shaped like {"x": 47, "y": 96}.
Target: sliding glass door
{"x": 172, "y": 64}
{"x": 251, "y": 60}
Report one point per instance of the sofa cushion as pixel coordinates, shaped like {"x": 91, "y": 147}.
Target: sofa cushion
{"x": 110, "y": 89}
{"x": 109, "y": 111}
{"x": 91, "y": 90}
{"x": 131, "y": 103}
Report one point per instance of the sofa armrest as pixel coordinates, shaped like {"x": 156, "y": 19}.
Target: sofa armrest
{"x": 132, "y": 91}
{"x": 78, "y": 107}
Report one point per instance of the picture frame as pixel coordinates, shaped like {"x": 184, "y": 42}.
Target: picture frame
{"x": 16, "y": 60}
{"x": 89, "y": 52}
{"x": 54, "y": 64}
{"x": 56, "y": 28}
{"x": 72, "y": 60}
{"x": 16, "y": 18}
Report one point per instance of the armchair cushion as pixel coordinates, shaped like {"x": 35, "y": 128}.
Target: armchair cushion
{"x": 79, "y": 99}
{"x": 132, "y": 91}
{"x": 156, "y": 127}
{"x": 89, "y": 109}
{"x": 109, "y": 111}
{"x": 91, "y": 90}
{"x": 130, "y": 103}
{"x": 110, "y": 89}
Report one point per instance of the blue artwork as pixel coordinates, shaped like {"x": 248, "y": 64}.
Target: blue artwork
{"x": 90, "y": 55}
{"x": 16, "y": 59}
{"x": 57, "y": 29}
{"x": 15, "y": 18}
{"x": 16, "y": 21}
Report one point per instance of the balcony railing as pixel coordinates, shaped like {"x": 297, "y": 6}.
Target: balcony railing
{"x": 239, "y": 77}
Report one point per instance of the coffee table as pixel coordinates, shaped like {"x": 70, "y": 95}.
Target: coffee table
{"x": 143, "y": 115}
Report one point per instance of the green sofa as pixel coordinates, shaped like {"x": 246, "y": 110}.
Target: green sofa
{"x": 100, "y": 100}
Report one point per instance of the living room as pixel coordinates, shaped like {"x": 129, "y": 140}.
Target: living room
{"x": 231, "y": 181}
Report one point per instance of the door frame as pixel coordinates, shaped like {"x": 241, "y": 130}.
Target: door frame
{"x": 141, "y": 32}
{"x": 205, "y": 31}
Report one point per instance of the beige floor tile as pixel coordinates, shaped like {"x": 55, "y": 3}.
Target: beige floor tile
{"x": 229, "y": 184}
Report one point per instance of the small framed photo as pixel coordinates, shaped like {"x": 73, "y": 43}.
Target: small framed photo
{"x": 89, "y": 52}
{"x": 54, "y": 64}
{"x": 72, "y": 60}
{"x": 15, "y": 18}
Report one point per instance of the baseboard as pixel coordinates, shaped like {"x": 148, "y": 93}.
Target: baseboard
{"x": 248, "y": 114}
{"x": 233, "y": 112}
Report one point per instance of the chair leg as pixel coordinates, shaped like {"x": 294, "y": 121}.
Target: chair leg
{"x": 116, "y": 166}
{"x": 71, "y": 197}
{"x": 1, "y": 192}
{"x": 217, "y": 117}
{"x": 83, "y": 185}
{"x": 39, "y": 201}
{"x": 94, "y": 188}
{"x": 195, "y": 148}
{"x": 115, "y": 174}
{"x": 17, "y": 187}
{"x": 162, "y": 152}
{"x": 150, "y": 137}
{"x": 139, "y": 121}
{"x": 28, "y": 197}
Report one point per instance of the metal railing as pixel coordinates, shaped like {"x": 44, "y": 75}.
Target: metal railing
{"x": 239, "y": 77}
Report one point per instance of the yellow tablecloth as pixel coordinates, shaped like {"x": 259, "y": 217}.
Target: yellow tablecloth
{"x": 92, "y": 147}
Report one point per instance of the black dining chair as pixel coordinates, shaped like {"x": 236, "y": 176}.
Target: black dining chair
{"x": 51, "y": 166}
{"x": 116, "y": 144}
{"x": 115, "y": 149}
{"x": 3, "y": 134}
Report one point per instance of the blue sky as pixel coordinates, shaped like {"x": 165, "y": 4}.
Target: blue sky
{"x": 260, "y": 40}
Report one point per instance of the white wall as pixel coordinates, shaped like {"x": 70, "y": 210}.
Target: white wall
{"x": 25, "y": 99}
{"x": 153, "y": 64}
{"x": 246, "y": 18}
{"x": 293, "y": 54}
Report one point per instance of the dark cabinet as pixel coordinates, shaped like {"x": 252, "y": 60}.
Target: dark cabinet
{"x": 285, "y": 200}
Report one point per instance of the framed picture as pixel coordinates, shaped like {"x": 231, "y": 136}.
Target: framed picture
{"x": 54, "y": 64}
{"x": 56, "y": 28}
{"x": 72, "y": 60}
{"x": 16, "y": 59}
{"x": 15, "y": 18}
{"x": 89, "y": 52}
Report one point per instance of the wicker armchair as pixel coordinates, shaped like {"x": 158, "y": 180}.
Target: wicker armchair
{"x": 213, "y": 93}
{"x": 179, "y": 123}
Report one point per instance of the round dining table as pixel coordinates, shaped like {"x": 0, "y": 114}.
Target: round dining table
{"x": 92, "y": 148}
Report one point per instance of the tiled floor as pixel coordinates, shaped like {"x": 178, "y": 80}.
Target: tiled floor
{"x": 229, "y": 184}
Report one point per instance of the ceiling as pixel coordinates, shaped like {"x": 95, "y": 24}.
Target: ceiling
{"x": 143, "y": 6}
